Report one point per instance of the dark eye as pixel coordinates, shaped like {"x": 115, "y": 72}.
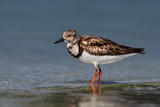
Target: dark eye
{"x": 69, "y": 35}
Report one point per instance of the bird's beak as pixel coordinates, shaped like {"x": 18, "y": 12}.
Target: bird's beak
{"x": 60, "y": 40}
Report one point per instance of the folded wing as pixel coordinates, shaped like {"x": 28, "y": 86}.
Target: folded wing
{"x": 101, "y": 46}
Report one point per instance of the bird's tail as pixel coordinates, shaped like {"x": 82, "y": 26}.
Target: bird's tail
{"x": 139, "y": 50}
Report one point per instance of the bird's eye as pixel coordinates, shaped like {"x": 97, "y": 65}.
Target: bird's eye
{"x": 69, "y": 35}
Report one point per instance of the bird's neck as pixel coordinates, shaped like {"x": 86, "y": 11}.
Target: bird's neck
{"x": 73, "y": 49}
{"x": 75, "y": 42}
{"x": 70, "y": 44}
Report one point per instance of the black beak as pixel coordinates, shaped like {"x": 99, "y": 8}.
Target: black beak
{"x": 60, "y": 40}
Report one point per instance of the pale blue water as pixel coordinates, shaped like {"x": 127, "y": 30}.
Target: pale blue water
{"x": 28, "y": 29}
{"x": 29, "y": 59}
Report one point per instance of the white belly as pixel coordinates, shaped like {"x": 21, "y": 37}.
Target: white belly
{"x": 96, "y": 59}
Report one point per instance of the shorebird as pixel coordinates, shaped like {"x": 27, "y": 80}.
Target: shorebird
{"x": 96, "y": 50}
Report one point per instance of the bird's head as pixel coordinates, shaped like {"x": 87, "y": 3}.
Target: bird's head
{"x": 69, "y": 36}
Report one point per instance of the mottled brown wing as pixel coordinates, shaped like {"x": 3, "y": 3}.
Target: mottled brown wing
{"x": 101, "y": 46}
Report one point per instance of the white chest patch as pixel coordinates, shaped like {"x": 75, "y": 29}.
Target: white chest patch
{"x": 107, "y": 59}
{"x": 74, "y": 49}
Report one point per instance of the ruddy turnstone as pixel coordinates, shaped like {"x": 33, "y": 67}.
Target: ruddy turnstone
{"x": 96, "y": 50}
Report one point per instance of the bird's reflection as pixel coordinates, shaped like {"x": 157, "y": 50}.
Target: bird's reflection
{"x": 94, "y": 90}
{"x": 99, "y": 86}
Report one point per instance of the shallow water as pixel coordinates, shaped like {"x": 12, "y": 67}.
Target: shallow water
{"x": 122, "y": 95}
{"x": 29, "y": 58}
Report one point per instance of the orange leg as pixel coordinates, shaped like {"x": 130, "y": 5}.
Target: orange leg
{"x": 95, "y": 75}
{"x": 100, "y": 74}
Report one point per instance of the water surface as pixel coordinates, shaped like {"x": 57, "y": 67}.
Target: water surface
{"x": 28, "y": 29}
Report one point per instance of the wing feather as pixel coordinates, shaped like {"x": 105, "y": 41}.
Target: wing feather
{"x": 101, "y": 46}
